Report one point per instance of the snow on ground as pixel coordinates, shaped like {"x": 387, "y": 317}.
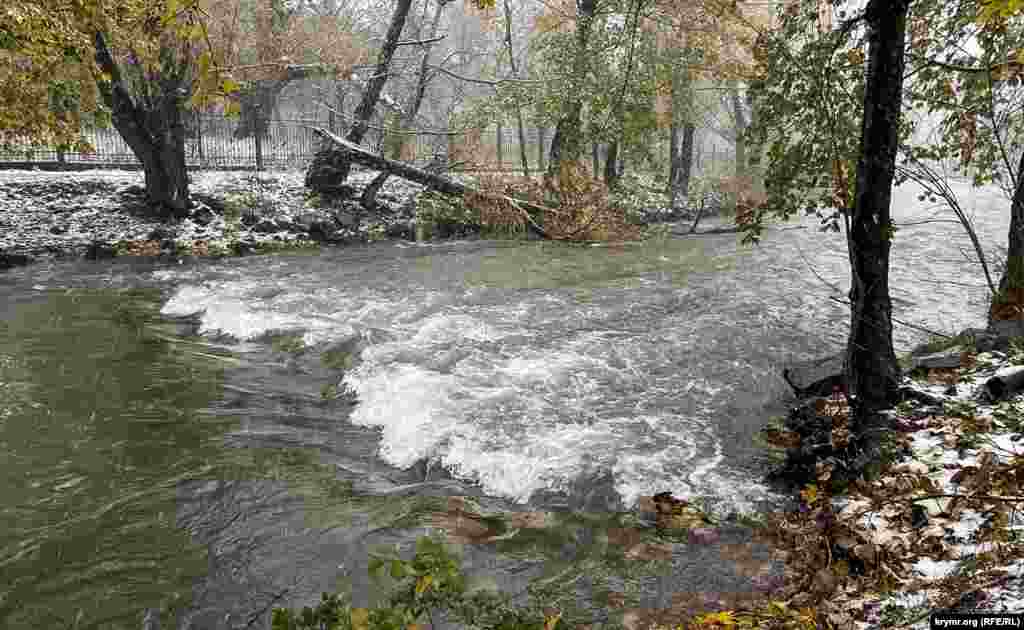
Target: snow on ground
{"x": 971, "y": 446}
{"x": 46, "y": 213}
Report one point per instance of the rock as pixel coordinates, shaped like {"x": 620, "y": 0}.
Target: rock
{"x": 326, "y": 231}
{"x": 285, "y": 225}
{"x": 347, "y": 218}
{"x": 1007, "y": 328}
{"x": 7, "y": 261}
{"x": 918, "y": 516}
{"x": 161, "y": 234}
{"x": 265, "y": 226}
{"x": 241, "y": 248}
{"x": 818, "y": 377}
{"x": 401, "y": 229}
{"x": 1005, "y": 383}
{"x": 306, "y": 220}
{"x": 209, "y": 201}
{"x": 100, "y": 251}
{"x": 203, "y": 215}
{"x": 703, "y": 536}
{"x": 946, "y": 359}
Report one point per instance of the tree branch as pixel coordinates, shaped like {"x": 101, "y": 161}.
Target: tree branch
{"x": 413, "y": 42}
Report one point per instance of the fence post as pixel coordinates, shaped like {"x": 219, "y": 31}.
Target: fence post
{"x": 258, "y": 128}
{"x": 199, "y": 137}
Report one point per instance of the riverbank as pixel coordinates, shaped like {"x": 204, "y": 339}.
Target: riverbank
{"x": 102, "y": 214}
{"x": 940, "y": 528}
{"x": 99, "y": 214}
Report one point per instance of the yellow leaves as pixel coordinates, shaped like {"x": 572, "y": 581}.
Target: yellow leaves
{"x": 550, "y": 621}
{"x": 855, "y": 56}
{"x": 423, "y": 583}
{"x": 360, "y": 618}
{"x": 809, "y": 494}
{"x": 723, "y": 619}
{"x": 229, "y": 86}
{"x": 993, "y": 13}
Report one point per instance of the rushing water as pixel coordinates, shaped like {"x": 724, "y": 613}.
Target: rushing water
{"x": 147, "y": 467}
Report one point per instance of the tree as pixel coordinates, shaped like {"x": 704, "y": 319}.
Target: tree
{"x": 871, "y": 361}
{"x": 567, "y": 145}
{"x": 142, "y": 62}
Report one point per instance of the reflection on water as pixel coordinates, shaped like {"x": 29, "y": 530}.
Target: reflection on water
{"x": 97, "y": 425}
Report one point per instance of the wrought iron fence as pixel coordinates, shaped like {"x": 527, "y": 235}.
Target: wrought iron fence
{"x": 213, "y": 141}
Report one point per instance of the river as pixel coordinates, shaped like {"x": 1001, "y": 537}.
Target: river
{"x": 171, "y": 436}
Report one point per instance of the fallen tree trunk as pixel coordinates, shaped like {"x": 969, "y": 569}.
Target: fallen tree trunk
{"x": 1005, "y": 383}
{"x": 433, "y": 181}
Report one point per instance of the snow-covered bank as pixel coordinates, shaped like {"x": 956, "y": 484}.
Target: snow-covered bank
{"x": 101, "y": 213}
{"x": 941, "y": 528}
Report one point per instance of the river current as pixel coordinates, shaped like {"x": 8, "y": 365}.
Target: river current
{"x": 165, "y": 429}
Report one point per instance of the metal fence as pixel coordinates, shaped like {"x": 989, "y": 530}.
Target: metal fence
{"x": 212, "y": 142}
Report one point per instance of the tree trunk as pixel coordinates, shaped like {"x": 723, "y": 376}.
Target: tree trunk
{"x": 255, "y": 107}
{"x": 567, "y": 143}
{"x": 871, "y": 362}
{"x": 611, "y": 174}
{"x": 673, "y": 151}
{"x": 515, "y": 73}
{"x": 156, "y": 135}
{"x": 595, "y": 157}
{"x": 682, "y": 168}
{"x": 1008, "y": 303}
{"x": 741, "y": 126}
{"x": 433, "y": 181}
{"x": 367, "y": 105}
{"x": 499, "y": 146}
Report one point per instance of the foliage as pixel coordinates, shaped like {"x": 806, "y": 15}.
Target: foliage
{"x": 808, "y": 112}
{"x": 638, "y": 196}
{"x": 430, "y": 581}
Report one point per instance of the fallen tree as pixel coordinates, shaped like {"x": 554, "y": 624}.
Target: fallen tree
{"x": 584, "y": 214}
{"x": 527, "y": 210}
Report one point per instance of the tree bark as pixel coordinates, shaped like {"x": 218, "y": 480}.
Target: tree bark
{"x": 741, "y": 126}
{"x": 681, "y": 167}
{"x": 567, "y": 143}
{"x": 367, "y": 105}
{"x": 155, "y": 134}
{"x": 433, "y": 181}
{"x": 871, "y": 361}
{"x": 611, "y": 174}
{"x": 1008, "y": 303}
{"x": 515, "y": 73}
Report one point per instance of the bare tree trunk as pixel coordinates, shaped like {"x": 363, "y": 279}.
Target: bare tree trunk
{"x": 673, "y": 151}
{"x": 1008, "y": 303}
{"x": 499, "y": 146}
{"x": 682, "y": 167}
{"x": 611, "y": 164}
{"x": 515, "y": 73}
{"x": 542, "y": 138}
{"x": 871, "y": 366}
{"x": 741, "y": 126}
{"x": 367, "y": 105}
{"x": 613, "y": 172}
{"x": 155, "y": 134}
